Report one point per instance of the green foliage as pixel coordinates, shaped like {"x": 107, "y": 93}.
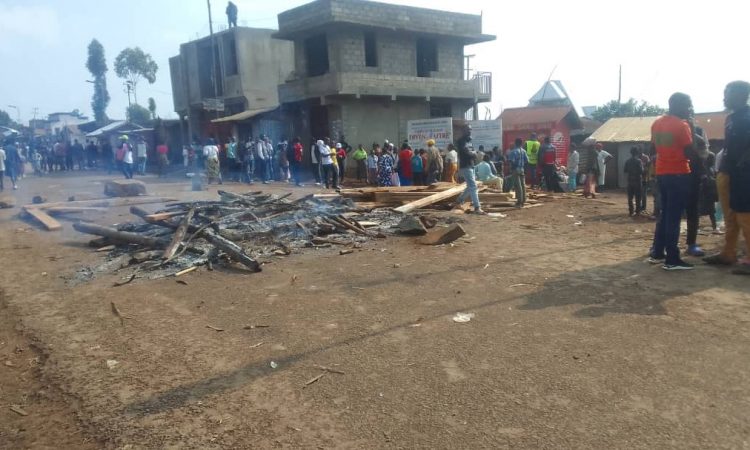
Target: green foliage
{"x": 631, "y": 108}
{"x": 6, "y": 121}
{"x": 139, "y": 115}
{"x": 132, "y": 64}
{"x": 97, "y": 65}
{"x": 152, "y": 107}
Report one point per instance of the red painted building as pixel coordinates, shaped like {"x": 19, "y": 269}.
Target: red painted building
{"x": 554, "y": 121}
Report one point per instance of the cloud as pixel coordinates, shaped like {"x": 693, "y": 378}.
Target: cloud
{"x": 35, "y": 23}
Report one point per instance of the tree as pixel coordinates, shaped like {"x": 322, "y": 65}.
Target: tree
{"x": 97, "y": 65}
{"x": 631, "y": 108}
{"x": 6, "y": 121}
{"x": 132, "y": 65}
{"x": 138, "y": 114}
{"x": 152, "y": 107}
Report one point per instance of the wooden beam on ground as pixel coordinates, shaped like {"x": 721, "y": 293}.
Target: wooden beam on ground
{"x": 119, "y": 236}
{"x": 432, "y": 199}
{"x": 73, "y": 209}
{"x": 108, "y": 202}
{"x": 42, "y": 217}
{"x": 178, "y": 236}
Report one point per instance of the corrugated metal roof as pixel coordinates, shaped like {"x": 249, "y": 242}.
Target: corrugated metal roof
{"x": 625, "y": 129}
{"x": 244, "y": 115}
{"x": 111, "y": 127}
{"x": 551, "y": 91}
{"x": 712, "y": 124}
{"x": 518, "y": 118}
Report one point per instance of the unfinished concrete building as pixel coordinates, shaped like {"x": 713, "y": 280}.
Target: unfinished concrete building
{"x": 234, "y": 74}
{"x": 363, "y": 69}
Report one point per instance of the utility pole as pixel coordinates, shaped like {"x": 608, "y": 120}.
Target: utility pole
{"x": 213, "y": 55}
{"x": 467, "y": 58}
{"x": 619, "y": 88}
{"x": 128, "y": 88}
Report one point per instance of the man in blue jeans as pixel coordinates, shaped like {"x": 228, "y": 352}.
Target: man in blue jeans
{"x": 517, "y": 160}
{"x": 466, "y": 159}
{"x": 673, "y": 137}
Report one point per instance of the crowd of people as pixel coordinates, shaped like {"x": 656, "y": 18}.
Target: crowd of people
{"x": 678, "y": 170}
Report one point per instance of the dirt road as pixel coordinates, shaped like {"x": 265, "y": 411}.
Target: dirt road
{"x": 576, "y": 342}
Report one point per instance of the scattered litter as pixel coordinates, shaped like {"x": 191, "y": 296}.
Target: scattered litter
{"x": 578, "y": 223}
{"x": 415, "y": 325}
{"x": 463, "y": 317}
{"x": 117, "y": 313}
{"x": 44, "y": 274}
{"x": 257, "y": 345}
{"x": 111, "y": 363}
{"x": 18, "y": 410}
{"x": 486, "y": 266}
{"x": 328, "y": 369}
{"x": 214, "y": 328}
{"x": 294, "y": 428}
{"x": 252, "y": 327}
{"x": 123, "y": 283}
{"x": 188, "y": 270}
{"x": 294, "y": 278}
{"x": 519, "y": 285}
{"x": 500, "y": 215}
{"x": 513, "y": 324}
{"x": 273, "y": 364}
{"x": 396, "y": 266}
{"x": 182, "y": 282}
{"x": 346, "y": 252}
{"x": 313, "y": 380}
{"x": 570, "y": 216}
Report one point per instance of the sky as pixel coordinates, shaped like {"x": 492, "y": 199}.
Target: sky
{"x": 663, "y": 46}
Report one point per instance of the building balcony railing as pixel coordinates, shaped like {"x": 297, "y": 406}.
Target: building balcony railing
{"x": 477, "y": 89}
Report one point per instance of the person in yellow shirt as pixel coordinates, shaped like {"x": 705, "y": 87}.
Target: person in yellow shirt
{"x": 532, "y": 152}
{"x": 451, "y": 164}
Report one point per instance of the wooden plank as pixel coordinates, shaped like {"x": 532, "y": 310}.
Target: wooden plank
{"x": 73, "y": 209}
{"x": 432, "y": 199}
{"x": 162, "y": 216}
{"x": 108, "y": 202}
{"x": 119, "y": 236}
{"x": 45, "y": 219}
{"x": 179, "y": 235}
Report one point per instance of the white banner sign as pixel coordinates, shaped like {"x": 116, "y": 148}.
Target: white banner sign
{"x": 488, "y": 133}
{"x": 420, "y": 131}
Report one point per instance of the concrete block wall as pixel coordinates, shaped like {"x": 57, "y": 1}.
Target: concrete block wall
{"x": 450, "y": 59}
{"x": 373, "y": 120}
{"x": 376, "y": 14}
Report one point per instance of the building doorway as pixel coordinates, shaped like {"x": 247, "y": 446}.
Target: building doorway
{"x": 319, "y": 125}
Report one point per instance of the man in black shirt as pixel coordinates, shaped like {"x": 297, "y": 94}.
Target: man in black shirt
{"x": 634, "y": 172}
{"x": 733, "y": 180}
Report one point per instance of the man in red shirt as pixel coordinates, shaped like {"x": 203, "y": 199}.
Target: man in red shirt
{"x": 673, "y": 137}
{"x": 163, "y": 153}
{"x": 404, "y": 165}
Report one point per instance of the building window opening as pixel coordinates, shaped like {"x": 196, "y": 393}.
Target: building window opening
{"x": 427, "y": 58}
{"x": 371, "y": 50}
{"x": 230, "y": 56}
{"x": 316, "y": 53}
{"x": 440, "y": 110}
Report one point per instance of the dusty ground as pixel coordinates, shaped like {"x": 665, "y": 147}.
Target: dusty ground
{"x": 576, "y": 342}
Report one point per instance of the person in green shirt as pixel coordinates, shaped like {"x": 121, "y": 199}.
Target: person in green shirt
{"x": 360, "y": 157}
{"x": 532, "y": 152}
